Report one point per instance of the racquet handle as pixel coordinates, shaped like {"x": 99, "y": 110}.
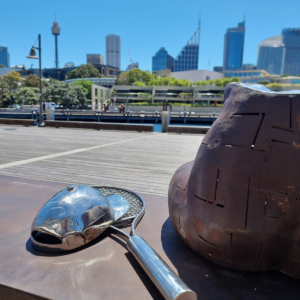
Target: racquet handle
{"x": 167, "y": 282}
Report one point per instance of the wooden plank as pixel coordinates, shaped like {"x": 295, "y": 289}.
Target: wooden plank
{"x": 143, "y": 165}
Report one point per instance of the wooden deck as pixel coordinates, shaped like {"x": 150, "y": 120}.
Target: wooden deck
{"x": 143, "y": 162}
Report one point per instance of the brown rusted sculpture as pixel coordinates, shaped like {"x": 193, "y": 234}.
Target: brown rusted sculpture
{"x": 238, "y": 203}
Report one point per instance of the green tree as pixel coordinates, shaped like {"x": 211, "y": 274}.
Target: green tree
{"x": 218, "y": 82}
{"x": 32, "y": 81}
{"x": 139, "y": 83}
{"x": 85, "y": 71}
{"x": 12, "y": 79}
{"x": 286, "y": 75}
{"x": 64, "y": 93}
{"x": 86, "y": 86}
{"x": 31, "y": 95}
{"x": 132, "y": 76}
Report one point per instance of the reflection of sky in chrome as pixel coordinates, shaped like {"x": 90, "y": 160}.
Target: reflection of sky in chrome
{"x": 64, "y": 211}
{"x": 63, "y": 227}
{"x": 119, "y": 205}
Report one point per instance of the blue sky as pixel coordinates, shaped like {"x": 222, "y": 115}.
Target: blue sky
{"x": 144, "y": 27}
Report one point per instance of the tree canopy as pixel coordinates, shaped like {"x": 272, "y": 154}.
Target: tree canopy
{"x": 12, "y": 79}
{"x": 85, "y": 71}
{"x": 32, "y": 81}
{"x": 31, "y": 95}
{"x": 219, "y": 82}
{"x": 169, "y": 81}
{"x": 86, "y": 86}
{"x": 64, "y": 93}
{"x": 132, "y": 76}
{"x": 138, "y": 77}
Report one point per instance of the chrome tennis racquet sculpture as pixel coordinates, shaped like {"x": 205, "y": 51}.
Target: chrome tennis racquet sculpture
{"x": 77, "y": 215}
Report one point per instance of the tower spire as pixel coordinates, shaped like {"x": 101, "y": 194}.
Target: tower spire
{"x": 56, "y": 33}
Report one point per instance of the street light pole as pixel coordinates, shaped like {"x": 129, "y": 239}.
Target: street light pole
{"x": 41, "y": 123}
{"x": 33, "y": 55}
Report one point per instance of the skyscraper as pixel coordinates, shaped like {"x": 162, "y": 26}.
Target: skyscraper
{"x": 270, "y": 56}
{"x": 162, "y": 61}
{"x": 187, "y": 59}
{"x": 4, "y": 57}
{"x": 234, "y": 47}
{"x": 291, "y": 41}
{"x": 113, "y": 51}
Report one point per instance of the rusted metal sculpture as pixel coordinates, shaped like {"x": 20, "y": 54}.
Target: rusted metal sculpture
{"x": 238, "y": 203}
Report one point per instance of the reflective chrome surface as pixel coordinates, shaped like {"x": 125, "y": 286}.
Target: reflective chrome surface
{"x": 78, "y": 214}
{"x": 167, "y": 282}
{"x": 74, "y": 217}
{"x": 119, "y": 205}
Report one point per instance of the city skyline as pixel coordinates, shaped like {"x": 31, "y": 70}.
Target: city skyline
{"x": 79, "y": 38}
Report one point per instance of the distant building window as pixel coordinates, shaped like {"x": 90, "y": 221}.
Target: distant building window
{"x": 207, "y": 78}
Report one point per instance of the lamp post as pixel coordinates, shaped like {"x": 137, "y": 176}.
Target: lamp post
{"x": 22, "y": 98}
{"x": 33, "y": 56}
{"x": 68, "y": 100}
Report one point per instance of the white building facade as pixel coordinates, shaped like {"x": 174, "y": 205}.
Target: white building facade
{"x": 113, "y": 51}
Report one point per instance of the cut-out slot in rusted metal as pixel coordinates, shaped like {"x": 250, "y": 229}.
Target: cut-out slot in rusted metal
{"x": 262, "y": 118}
{"x": 208, "y": 241}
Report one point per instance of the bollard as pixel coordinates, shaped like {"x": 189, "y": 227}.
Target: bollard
{"x": 98, "y": 115}
{"x": 68, "y": 115}
{"x": 184, "y": 118}
{"x": 156, "y": 119}
{"x": 165, "y": 120}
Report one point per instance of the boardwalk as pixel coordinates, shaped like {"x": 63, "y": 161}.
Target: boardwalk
{"x": 144, "y": 162}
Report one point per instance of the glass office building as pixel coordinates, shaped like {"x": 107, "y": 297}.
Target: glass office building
{"x": 187, "y": 59}
{"x": 162, "y": 61}
{"x": 271, "y": 55}
{"x": 234, "y": 47}
{"x": 4, "y": 57}
{"x": 291, "y": 41}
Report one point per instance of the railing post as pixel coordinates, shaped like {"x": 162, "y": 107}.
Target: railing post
{"x": 127, "y": 116}
{"x": 32, "y": 113}
{"x": 156, "y": 119}
{"x": 184, "y": 117}
{"x": 214, "y": 117}
{"x": 68, "y": 114}
{"x": 98, "y": 115}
